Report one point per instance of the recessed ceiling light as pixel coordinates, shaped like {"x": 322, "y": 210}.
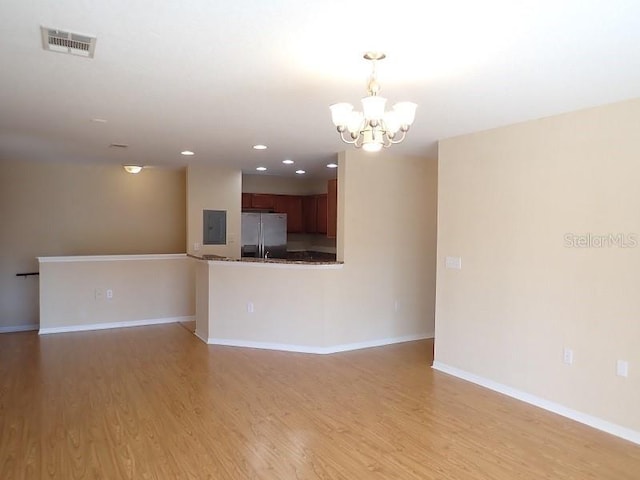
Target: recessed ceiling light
{"x": 287, "y": 162}
{"x": 187, "y": 153}
{"x": 300, "y": 172}
{"x": 259, "y": 147}
{"x": 261, "y": 169}
{"x": 332, "y": 165}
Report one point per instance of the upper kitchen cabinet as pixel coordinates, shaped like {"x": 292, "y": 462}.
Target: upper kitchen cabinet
{"x": 326, "y": 211}
{"x": 321, "y": 212}
{"x": 310, "y": 213}
{"x": 292, "y": 206}
{"x": 332, "y": 208}
{"x": 262, "y": 200}
{"x": 246, "y": 200}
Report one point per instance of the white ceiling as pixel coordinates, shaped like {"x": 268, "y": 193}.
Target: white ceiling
{"x": 217, "y": 77}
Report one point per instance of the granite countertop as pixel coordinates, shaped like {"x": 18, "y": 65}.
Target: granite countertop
{"x": 294, "y": 260}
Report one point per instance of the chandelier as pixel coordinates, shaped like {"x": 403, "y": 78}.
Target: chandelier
{"x": 373, "y": 128}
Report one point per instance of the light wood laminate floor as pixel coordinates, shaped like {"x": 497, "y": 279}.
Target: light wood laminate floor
{"x": 156, "y": 403}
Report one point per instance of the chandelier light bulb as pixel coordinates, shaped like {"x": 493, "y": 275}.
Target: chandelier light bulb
{"x": 392, "y": 121}
{"x": 373, "y": 128}
{"x": 406, "y": 112}
{"x": 354, "y": 124}
{"x": 373, "y": 107}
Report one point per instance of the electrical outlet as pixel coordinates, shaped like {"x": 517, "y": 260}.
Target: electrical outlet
{"x": 196, "y": 247}
{"x": 622, "y": 368}
{"x": 109, "y": 294}
{"x": 98, "y": 294}
{"x": 567, "y": 356}
{"x": 250, "y": 307}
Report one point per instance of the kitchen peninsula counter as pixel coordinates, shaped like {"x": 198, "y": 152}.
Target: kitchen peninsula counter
{"x": 292, "y": 305}
{"x": 270, "y": 261}
{"x": 265, "y": 303}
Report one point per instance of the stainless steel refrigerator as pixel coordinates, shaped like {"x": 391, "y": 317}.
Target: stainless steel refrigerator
{"x": 264, "y": 235}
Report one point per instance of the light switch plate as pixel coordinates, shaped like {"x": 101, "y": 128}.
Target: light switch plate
{"x": 622, "y": 368}
{"x": 453, "y": 262}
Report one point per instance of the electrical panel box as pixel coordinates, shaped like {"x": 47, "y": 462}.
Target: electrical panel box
{"x": 214, "y": 227}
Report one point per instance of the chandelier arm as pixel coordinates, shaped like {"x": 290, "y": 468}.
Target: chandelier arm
{"x": 404, "y": 134}
{"x": 347, "y": 140}
{"x": 386, "y": 141}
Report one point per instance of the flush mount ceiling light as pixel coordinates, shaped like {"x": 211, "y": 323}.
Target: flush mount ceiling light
{"x": 132, "y": 168}
{"x": 373, "y": 128}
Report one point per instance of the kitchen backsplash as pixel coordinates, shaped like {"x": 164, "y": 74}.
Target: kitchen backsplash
{"x": 297, "y": 242}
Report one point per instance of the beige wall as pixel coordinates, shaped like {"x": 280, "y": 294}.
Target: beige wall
{"x": 146, "y": 289}
{"x": 387, "y": 239}
{"x": 71, "y": 209}
{"x": 298, "y": 185}
{"x": 507, "y": 199}
{"x": 213, "y": 188}
{"x": 385, "y": 289}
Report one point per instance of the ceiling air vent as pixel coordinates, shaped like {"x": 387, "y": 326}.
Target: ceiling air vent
{"x": 66, "y": 42}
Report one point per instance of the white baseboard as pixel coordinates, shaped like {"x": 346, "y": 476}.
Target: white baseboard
{"x": 19, "y": 328}
{"x": 595, "y": 422}
{"x": 286, "y": 347}
{"x": 204, "y": 339}
{"x": 103, "y": 326}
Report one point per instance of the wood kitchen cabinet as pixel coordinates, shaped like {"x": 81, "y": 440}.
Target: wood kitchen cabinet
{"x": 292, "y": 206}
{"x": 305, "y": 213}
{"x": 310, "y": 213}
{"x": 321, "y": 212}
{"x": 262, "y": 200}
{"x": 246, "y": 200}
{"x": 332, "y": 208}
